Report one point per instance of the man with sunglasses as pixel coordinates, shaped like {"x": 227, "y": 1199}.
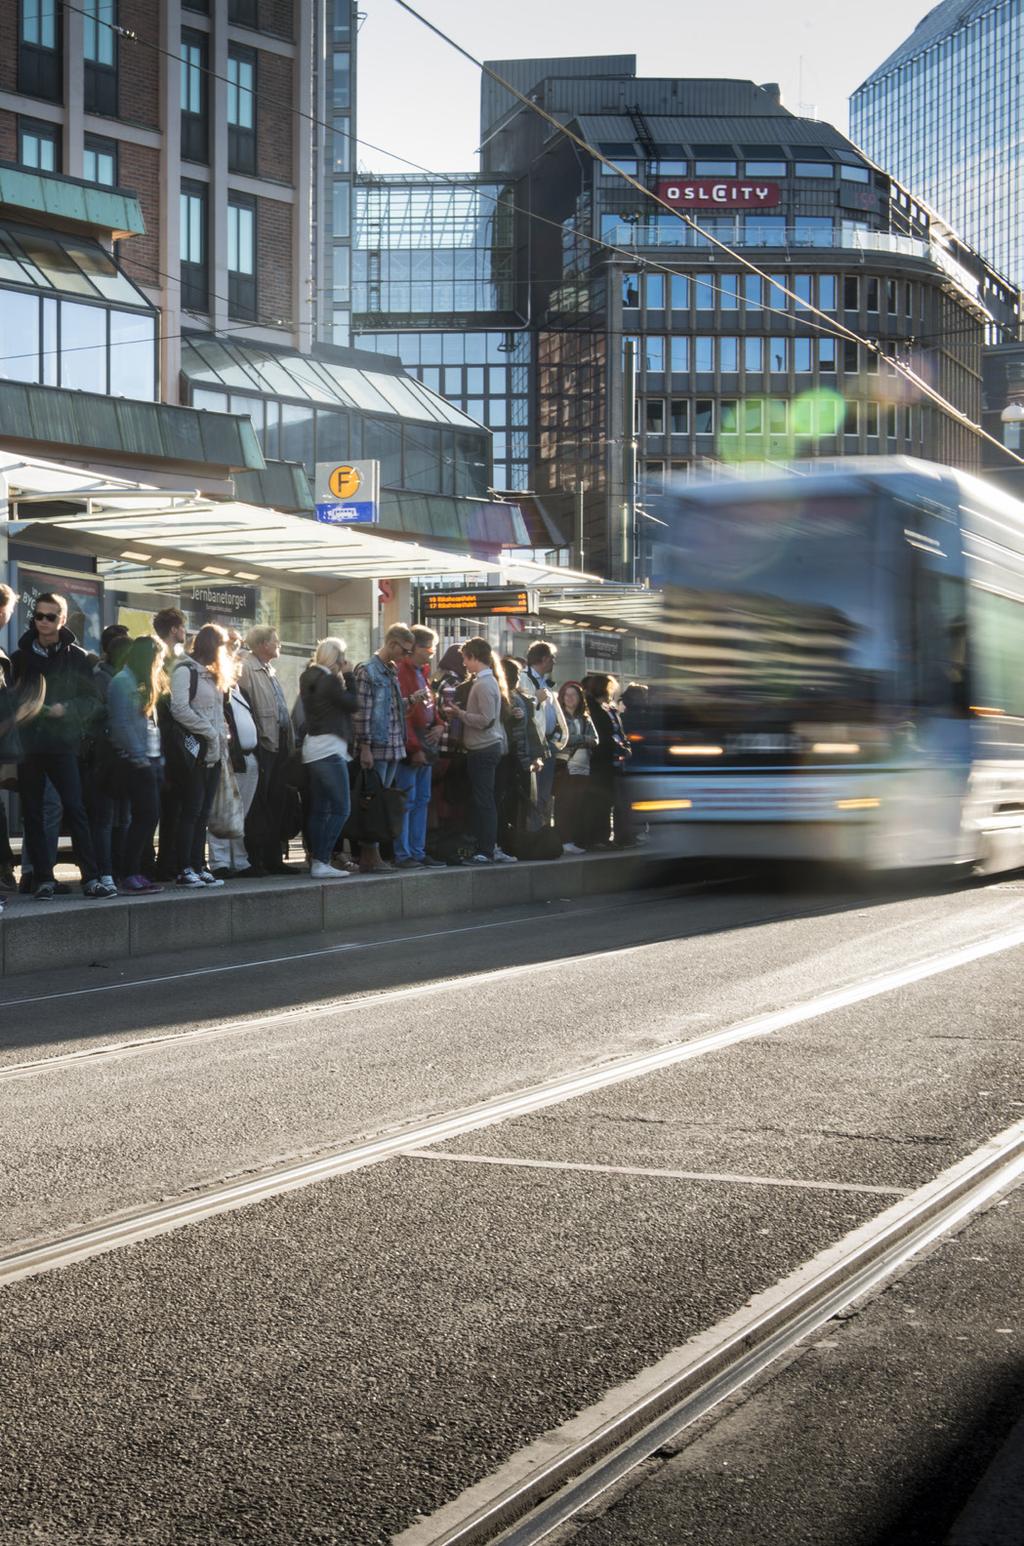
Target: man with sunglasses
{"x": 48, "y": 662}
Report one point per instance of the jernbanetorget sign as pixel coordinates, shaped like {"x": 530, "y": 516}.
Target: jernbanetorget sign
{"x": 348, "y": 493}
{"x": 719, "y": 193}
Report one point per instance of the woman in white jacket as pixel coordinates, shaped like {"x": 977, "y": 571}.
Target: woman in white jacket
{"x": 198, "y": 684}
{"x": 483, "y": 736}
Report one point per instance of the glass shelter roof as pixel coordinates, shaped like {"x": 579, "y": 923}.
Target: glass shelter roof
{"x": 246, "y": 367}
{"x": 69, "y": 265}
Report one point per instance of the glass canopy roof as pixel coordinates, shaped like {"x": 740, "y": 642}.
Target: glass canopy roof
{"x": 241, "y": 367}
{"x": 70, "y": 265}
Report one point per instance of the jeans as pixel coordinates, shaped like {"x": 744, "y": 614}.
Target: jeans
{"x": 197, "y": 794}
{"x": 51, "y": 831}
{"x": 482, "y": 767}
{"x": 329, "y": 801}
{"x": 144, "y": 803}
{"x": 415, "y": 782}
{"x": 61, "y": 768}
{"x": 108, "y": 822}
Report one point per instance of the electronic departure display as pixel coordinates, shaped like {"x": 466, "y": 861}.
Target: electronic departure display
{"x": 495, "y": 602}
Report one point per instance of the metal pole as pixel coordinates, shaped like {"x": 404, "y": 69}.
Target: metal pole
{"x": 628, "y": 532}
{"x": 578, "y": 543}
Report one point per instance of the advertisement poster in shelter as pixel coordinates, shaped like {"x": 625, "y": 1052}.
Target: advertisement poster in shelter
{"x": 82, "y": 592}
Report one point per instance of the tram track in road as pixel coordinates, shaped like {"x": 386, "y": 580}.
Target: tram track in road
{"x": 34, "y": 1257}
{"x": 543, "y": 1489}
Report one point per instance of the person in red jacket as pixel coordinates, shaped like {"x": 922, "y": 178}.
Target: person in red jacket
{"x": 423, "y": 731}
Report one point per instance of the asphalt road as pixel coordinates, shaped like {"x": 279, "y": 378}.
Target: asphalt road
{"x": 332, "y": 1364}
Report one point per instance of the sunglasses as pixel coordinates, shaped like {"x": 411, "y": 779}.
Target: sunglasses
{"x": 46, "y": 617}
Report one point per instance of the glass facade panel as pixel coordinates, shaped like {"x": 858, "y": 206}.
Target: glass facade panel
{"x": 753, "y": 353}
{"x": 680, "y": 292}
{"x": 83, "y": 348}
{"x": 19, "y": 336}
{"x": 680, "y": 355}
{"x": 132, "y": 355}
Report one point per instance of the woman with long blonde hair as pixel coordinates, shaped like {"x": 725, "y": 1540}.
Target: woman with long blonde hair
{"x": 134, "y": 733}
{"x": 327, "y": 689}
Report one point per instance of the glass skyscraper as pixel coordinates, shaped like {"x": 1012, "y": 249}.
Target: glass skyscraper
{"x": 943, "y": 113}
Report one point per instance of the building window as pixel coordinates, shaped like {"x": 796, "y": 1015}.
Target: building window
{"x": 704, "y": 292}
{"x": 765, "y": 169}
{"x": 243, "y": 12}
{"x": 802, "y": 355}
{"x": 39, "y": 69}
{"x": 99, "y": 161}
{"x": 195, "y": 127}
{"x": 679, "y": 292}
{"x": 630, "y": 291}
{"x": 778, "y": 300}
{"x": 753, "y": 353}
{"x": 827, "y": 292}
{"x": 654, "y": 416}
{"x": 241, "y": 110}
{"x": 855, "y": 174}
{"x": 242, "y": 258}
{"x": 753, "y": 416}
{"x": 679, "y": 416}
{"x": 715, "y": 169}
{"x": 851, "y": 293}
{"x": 729, "y": 291}
{"x": 195, "y": 284}
{"x": 800, "y": 284}
{"x": 752, "y": 291}
{"x": 728, "y": 355}
{"x": 654, "y": 292}
{"x": 729, "y": 416}
{"x": 827, "y": 355}
{"x": 778, "y": 416}
{"x": 100, "y": 50}
{"x": 704, "y": 355}
{"x": 890, "y": 421}
{"x": 871, "y": 294}
{"x": 680, "y": 360}
{"x": 704, "y": 416}
{"x": 653, "y": 353}
{"x": 812, "y": 169}
{"x": 38, "y": 145}
{"x": 764, "y": 231}
{"x": 777, "y": 354}
{"x": 851, "y": 417}
{"x": 871, "y": 417}
{"x": 890, "y": 297}
{"x": 812, "y": 230}
{"x": 341, "y": 79}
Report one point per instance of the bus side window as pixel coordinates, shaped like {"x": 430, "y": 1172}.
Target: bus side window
{"x": 939, "y": 629}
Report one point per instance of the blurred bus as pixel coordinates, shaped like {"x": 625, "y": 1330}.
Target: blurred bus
{"x": 837, "y": 670}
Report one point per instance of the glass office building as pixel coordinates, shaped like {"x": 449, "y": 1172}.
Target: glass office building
{"x": 943, "y": 112}
{"x": 434, "y": 283}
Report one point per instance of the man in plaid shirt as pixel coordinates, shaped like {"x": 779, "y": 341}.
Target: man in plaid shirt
{"x": 379, "y": 721}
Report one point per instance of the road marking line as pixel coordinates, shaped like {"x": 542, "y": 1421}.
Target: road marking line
{"x": 649, "y": 1170}
{"x": 551, "y": 1479}
{"x": 239, "y": 1194}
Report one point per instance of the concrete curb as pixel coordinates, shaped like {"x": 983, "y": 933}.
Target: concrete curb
{"x": 72, "y": 931}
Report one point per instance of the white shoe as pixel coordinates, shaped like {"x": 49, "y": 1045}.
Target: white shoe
{"x": 320, "y": 871}
{"x": 572, "y": 848}
{"x": 189, "y": 878}
{"x": 477, "y": 859}
{"x": 207, "y": 878}
{"x": 108, "y": 880}
{"x": 501, "y": 857}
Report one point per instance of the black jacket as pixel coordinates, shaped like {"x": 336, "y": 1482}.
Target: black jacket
{"x": 612, "y": 748}
{"x": 64, "y": 673}
{"x": 328, "y": 702}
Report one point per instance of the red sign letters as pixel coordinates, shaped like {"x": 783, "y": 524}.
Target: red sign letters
{"x": 719, "y": 193}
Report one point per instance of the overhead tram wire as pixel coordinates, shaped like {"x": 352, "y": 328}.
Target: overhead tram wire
{"x": 829, "y": 326}
{"x": 839, "y": 328}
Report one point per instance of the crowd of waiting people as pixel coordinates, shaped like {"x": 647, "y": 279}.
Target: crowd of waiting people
{"x": 177, "y": 761}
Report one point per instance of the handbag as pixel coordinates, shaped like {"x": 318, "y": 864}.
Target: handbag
{"x": 377, "y": 813}
{"x": 227, "y": 816}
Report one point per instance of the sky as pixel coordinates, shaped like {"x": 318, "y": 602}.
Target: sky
{"x": 419, "y": 98}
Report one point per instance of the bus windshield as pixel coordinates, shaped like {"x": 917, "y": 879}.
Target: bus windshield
{"x": 776, "y": 608}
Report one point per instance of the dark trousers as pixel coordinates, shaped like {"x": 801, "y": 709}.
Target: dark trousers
{"x": 61, "y": 768}
{"x": 571, "y": 805}
{"x": 144, "y": 801}
{"x": 264, "y": 823}
{"x": 198, "y": 787}
{"x": 482, "y": 766}
{"x": 6, "y": 852}
{"x": 170, "y": 815}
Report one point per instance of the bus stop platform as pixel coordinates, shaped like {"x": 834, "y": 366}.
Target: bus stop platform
{"x": 76, "y": 931}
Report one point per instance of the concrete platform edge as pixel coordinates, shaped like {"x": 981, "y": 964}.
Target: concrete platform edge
{"x": 76, "y": 932}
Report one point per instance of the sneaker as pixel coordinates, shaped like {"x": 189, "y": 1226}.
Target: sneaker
{"x": 430, "y": 863}
{"x": 410, "y": 864}
{"x": 501, "y": 857}
{"x": 189, "y": 878}
{"x": 45, "y": 891}
{"x": 320, "y": 871}
{"x": 572, "y": 848}
{"x": 97, "y": 889}
{"x": 108, "y": 880}
{"x": 139, "y": 885}
{"x": 209, "y": 879}
{"x": 220, "y": 873}
{"x": 478, "y": 859}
